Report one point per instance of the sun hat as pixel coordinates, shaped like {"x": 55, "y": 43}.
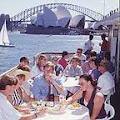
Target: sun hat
{"x": 22, "y": 72}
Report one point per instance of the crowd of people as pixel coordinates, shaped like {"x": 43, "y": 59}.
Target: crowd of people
{"x": 44, "y": 81}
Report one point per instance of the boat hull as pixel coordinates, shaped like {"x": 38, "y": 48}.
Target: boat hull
{"x": 7, "y": 45}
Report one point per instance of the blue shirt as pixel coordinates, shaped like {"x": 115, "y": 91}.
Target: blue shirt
{"x": 40, "y": 88}
{"x": 95, "y": 74}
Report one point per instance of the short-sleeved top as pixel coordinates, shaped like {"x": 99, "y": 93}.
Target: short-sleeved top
{"x": 106, "y": 83}
{"x": 82, "y": 58}
{"x": 88, "y": 45}
{"x": 7, "y": 111}
{"x": 63, "y": 62}
{"x": 72, "y": 72}
{"x": 90, "y": 105}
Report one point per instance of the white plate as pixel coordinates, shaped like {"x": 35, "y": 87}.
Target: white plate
{"x": 56, "y": 110}
{"x": 74, "y": 106}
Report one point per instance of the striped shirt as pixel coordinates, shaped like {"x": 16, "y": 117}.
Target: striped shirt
{"x": 17, "y": 97}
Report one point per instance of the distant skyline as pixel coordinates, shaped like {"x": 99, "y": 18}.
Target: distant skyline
{"x": 13, "y": 7}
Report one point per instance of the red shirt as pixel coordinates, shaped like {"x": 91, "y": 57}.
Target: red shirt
{"x": 105, "y": 46}
{"x": 63, "y": 62}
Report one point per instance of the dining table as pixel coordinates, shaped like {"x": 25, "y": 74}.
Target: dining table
{"x": 82, "y": 113}
{"x": 71, "y": 84}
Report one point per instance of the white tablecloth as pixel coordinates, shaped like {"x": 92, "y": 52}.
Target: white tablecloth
{"x": 79, "y": 114}
{"x": 71, "y": 84}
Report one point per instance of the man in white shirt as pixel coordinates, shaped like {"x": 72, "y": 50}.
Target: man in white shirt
{"x": 81, "y": 56}
{"x": 7, "y": 86}
{"x": 88, "y": 45}
{"x": 7, "y": 111}
{"x": 105, "y": 81}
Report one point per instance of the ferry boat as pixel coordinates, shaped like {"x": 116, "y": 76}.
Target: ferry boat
{"x": 114, "y": 37}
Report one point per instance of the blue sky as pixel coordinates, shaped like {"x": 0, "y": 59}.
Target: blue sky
{"x": 13, "y": 7}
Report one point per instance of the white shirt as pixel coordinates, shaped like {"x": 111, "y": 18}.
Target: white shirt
{"x": 72, "y": 72}
{"x": 106, "y": 83}
{"x": 7, "y": 111}
{"x": 88, "y": 45}
{"x": 35, "y": 71}
{"x": 0, "y": 115}
{"x": 82, "y": 58}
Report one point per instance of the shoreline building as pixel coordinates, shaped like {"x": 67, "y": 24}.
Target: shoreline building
{"x": 54, "y": 22}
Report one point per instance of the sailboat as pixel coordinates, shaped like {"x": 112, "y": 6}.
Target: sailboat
{"x": 4, "y": 39}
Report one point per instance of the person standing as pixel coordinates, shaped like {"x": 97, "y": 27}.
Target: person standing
{"x": 105, "y": 45}
{"x": 88, "y": 45}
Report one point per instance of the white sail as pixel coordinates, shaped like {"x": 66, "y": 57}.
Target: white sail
{"x": 4, "y": 40}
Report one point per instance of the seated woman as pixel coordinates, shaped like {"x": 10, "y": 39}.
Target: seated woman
{"x": 7, "y": 111}
{"x": 40, "y": 62}
{"x": 19, "y": 95}
{"x": 90, "y": 97}
{"x": 85, "y": 66}
{"x": 73, "y": 69}
{"x": 46, "y": 85}
{"x": 94, "y": 72}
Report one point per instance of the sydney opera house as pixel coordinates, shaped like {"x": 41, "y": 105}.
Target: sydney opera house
{"x": 59, "y": 21}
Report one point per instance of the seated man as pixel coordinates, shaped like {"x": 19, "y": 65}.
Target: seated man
{"x": 45, "y": 85}
{"x": 80, "y": 54}
{"x": 73, "y": 69}
{"x": 24, "y": 63}
{"x": 63, "y": 60}
{"x": 7, "y": 111}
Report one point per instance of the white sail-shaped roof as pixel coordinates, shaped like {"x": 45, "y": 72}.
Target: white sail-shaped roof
{"x": 40, "y": 20}
{"x": 49, "y": 17}
{"x": 75, "y": 20}
{"x": 63, "y": 16}
{"x": 62, "y": 12}
{"x": 63, "y": 22}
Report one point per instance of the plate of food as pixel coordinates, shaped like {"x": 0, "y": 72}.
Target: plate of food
{"x": 57, "y": 109}
{"x": 74, "y": 106}
{"x": 22, "y": 107}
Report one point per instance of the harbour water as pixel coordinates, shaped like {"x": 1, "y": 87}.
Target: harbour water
{"x": 29, "y": 45}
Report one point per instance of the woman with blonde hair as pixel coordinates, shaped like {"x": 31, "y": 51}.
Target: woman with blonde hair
{"x": 40, "y": 62}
